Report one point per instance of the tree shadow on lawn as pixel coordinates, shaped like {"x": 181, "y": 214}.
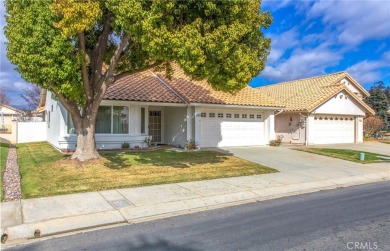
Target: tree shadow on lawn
{"x": 166, "y": 158}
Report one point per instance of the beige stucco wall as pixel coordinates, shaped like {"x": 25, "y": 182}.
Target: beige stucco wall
{"x": 287, "y": 124}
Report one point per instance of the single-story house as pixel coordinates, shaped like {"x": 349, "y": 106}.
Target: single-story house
{"x": 171, "y": 110}
{"x": 7, "y": 114}
{"x": 320, "y": 110}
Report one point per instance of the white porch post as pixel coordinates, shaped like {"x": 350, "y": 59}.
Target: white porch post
{"x": 189, "y": 123}
{"x": 307, "y": 130}
{"x": 198, "y": 122}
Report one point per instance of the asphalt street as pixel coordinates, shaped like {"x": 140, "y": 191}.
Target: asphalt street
{"x": 354, "y": 218}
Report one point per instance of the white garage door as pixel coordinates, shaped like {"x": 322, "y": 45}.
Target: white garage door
{"x": 333, "y": 129}
{"x": 230, "y": 128}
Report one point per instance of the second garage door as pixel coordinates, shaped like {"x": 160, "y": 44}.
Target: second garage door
{"x": 231, "y": 128}
{"x": 333, "y": 129}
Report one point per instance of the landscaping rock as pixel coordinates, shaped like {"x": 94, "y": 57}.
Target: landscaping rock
{"x": 11, "y": 178}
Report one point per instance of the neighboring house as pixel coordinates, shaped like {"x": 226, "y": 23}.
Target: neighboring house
{"x": 172, "y": 111}
{"x": 7, "y": 114}
{"x": 320, "y": 110}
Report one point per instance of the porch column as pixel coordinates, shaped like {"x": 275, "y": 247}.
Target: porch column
{"x": 189, "y": 123}
{"x": 198, "y": 125}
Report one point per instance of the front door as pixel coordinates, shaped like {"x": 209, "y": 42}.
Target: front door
{"x": 155, "y": 126}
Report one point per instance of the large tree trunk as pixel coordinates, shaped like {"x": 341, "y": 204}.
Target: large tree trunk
{"x": 86, "y": 145}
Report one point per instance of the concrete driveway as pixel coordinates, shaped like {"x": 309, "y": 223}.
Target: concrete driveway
{"x": 286, "y": 159}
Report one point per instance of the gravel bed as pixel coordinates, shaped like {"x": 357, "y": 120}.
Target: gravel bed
{"x": 11, "y": 178}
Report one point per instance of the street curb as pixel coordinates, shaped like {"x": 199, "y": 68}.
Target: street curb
{"x": 28, "y": 232}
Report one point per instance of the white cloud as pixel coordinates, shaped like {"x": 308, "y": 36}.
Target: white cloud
{"x": 354, "y": 21}
{"x": 368, "y": 71}
{"x": 302, "y": 63}
{"x": 280, "y": 43}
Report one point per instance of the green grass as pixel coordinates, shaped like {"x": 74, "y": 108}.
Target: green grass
{"x": 3, "y": 160}
{"x": 345, "y": 154}
{"x": 47, "y": 172}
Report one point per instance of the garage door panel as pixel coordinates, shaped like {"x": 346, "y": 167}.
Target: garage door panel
{"x": 219, "y": 132}
{"x": 329, "y": 129}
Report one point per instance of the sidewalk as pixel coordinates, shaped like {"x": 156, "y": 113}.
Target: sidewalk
{"x": 30, "y": 218}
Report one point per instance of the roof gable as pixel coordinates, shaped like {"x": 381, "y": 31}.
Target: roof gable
{"x": 307, "y": 94}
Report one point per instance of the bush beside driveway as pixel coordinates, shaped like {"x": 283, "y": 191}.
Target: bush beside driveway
{"x": 47, "y": 172}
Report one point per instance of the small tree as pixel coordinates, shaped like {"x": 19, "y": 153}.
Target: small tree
{"x": 372, "y": 125}
{"x": 378, "y": 100}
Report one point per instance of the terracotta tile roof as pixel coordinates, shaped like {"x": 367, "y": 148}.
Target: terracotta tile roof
{"x": 307, "y": 94}
{"x": 142, "y": 86}
{"x": 151, "y": 86}
{"x": 194, "y": 91}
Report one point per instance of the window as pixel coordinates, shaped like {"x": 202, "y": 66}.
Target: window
{"x": 341, "y": 96}
{"x": 69, "y": 123}
{"x": 120, "y": 119}
{"x": 251, "y": 116}
{"x": 315, "y": 118}
{"x": 236, "y": 116}
{"x": 351, "y": 119}
{"x": 220, "y": 115}
{"x": 48, "y": 119}
{"x": 326, "y": 118}
{"x": 320, "y": 118}
{"x": 212, "y": 115}
{"x": 336, "y": 119}
{"x": 203, "y": 114}
{"x": 341, "y": 119}
{"x": 258, "y": 116}
{"x": 142, "y": 120}
{"x": 331, "y": 118}
{"x": 228, "y": 115}
{"x": 103, "y": 120}
{"x": 244, "y": 116}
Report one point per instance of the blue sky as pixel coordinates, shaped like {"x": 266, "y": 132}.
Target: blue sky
{"x": 309, "y": 38}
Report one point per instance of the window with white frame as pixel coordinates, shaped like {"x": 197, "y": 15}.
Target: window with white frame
{"x": 212, "y": 115}
{"x": 236, "y": 116}
{"x": 251, "y": 116}
{"x": 103, "y": 120}
{"x": 244, "y": 116}
{"x": 112, "y": 119}
{"x": 228, "y": 115}
{"x": 143, "y": 119}
{"x": 69, "y": 123}
{"x": 220, "y": 115}
{"x": 120, "y": 119}
{"x": 203, "y": 114}
{"x": 258, "y": 116}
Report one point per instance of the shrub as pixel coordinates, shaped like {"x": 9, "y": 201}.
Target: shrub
{"x": 125, "y": 145}
{"x": 372, "y": 125}
{"x": 191, "y": 145}
{"x": 275, "y": 142}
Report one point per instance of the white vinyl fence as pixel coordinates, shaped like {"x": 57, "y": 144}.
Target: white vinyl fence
{"x": 31, "y": 132}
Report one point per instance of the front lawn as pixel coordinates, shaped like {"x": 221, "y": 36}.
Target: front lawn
{"x": 3, "y": 160}
{"x": 47, "y": 172}
{"x": 346, "y": 154}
